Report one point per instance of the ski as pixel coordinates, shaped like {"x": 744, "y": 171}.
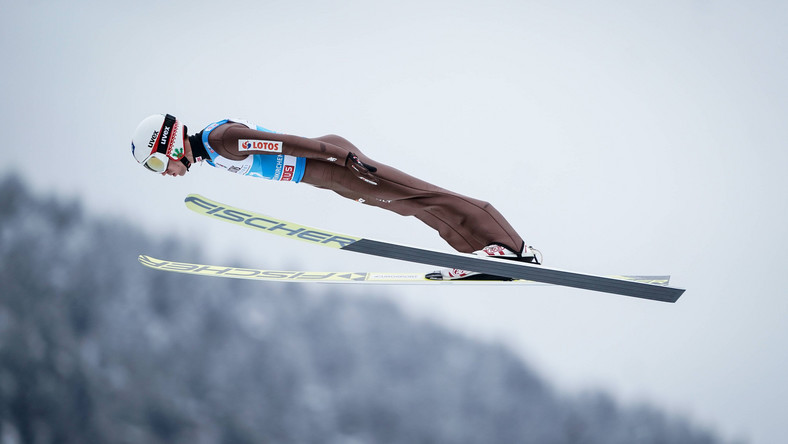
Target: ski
{"x": 514, "y": 270}
{"x": 339, "y": 277}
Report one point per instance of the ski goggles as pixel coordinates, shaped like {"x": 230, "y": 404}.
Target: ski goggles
{"x": 156, "y": 162}
{"x": 167, "y": 147}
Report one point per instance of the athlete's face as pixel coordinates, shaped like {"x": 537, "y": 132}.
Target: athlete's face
{"x": 175, "y": 168}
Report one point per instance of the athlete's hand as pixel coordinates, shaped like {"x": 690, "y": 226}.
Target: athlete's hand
{"x": 361, "y": 169}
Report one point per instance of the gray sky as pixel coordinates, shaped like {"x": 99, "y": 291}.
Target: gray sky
{"x": 618, "y": 137}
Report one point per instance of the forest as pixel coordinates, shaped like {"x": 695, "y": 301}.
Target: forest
{"x": 95, "y": 348}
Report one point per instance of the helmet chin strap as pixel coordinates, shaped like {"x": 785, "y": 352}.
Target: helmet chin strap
{"x": 184, "y": 160}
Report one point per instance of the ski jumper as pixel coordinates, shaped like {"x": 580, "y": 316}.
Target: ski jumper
{"x": 467, "y": 224}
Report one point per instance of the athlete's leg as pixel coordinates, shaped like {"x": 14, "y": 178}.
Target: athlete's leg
{"x": 467, "y": 224}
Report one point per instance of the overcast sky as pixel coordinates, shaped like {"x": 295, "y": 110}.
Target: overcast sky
{"x": 618, "y": 137}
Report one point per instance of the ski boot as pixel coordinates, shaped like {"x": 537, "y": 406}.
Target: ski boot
{"x": 496, "y": 251}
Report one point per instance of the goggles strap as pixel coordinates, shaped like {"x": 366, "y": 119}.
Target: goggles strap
{"x": 166, "y": 133}
{"x": 169, "y": 126}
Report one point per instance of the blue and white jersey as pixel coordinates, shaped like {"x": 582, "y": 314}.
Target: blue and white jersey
{"x": 281, "y": 167}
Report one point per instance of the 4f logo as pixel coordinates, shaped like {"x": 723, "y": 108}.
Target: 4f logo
{"x": 268, "y": 146}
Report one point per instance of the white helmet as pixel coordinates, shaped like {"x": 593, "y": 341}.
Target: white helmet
{"x": 157, "y": 139}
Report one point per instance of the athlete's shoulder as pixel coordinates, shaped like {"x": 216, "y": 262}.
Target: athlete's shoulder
{"x": 243, "y": 122}
{"x": 233, "y": 122}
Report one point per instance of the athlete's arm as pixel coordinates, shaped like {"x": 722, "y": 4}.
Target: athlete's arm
{"x": 236, "y": 141}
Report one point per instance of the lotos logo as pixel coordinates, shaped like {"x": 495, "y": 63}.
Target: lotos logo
{"x": 269, "y": 146}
